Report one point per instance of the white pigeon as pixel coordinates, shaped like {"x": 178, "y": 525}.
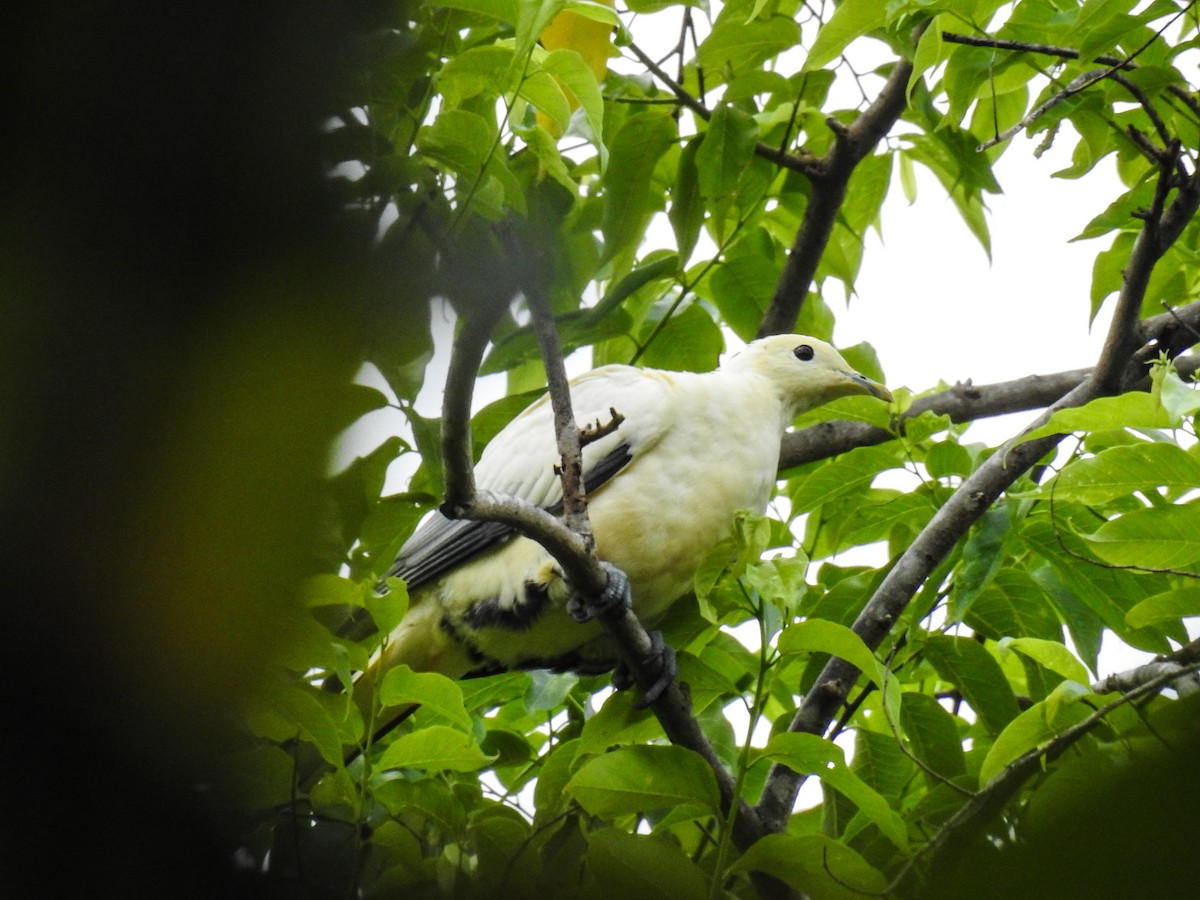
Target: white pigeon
{"x": 690, "y": 451}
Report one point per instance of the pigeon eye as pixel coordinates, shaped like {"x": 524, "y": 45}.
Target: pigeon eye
{"x": 804, "y": 352}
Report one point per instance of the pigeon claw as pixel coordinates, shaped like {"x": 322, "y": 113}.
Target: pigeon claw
{"x": 613, "y": 602}
{"x": 662, "y": 658}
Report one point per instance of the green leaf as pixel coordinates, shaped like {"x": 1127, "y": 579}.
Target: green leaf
{"x": 402, "y": 686}
{"x": 933, "y": 733}
{"x": 430, "y": 799}
{"x": 314, "y": 714}
{"x": 742, "y": 285}
{"x": 1031, "y": 729}
{"x": 981, "y": 560}
{"x": 1135, "y": 409}
{"x": 1122, "y": 470}
{"x": 387, "y": 609}
{"x": 930, "y": 51}
{"x": 481, "y": 694}
{"x": 546, "y": 94}
{"x": 498, "y": 836}
{"x": 1085, "y": 627}
{"x": 504, "y": 10}
{"x": 571, "y": 69}
{"x": 655, "y": 267}
{"x": 1106, "y": 593}
{"x": 1165, "y": 607}
{"x": 640, "y": 779}
{"x": 809, "y": 754}
{"x": 532, "y": 18}
{"x": 1049, "y": 654}
{"x": 908, "y": 178}
{"x": 330, "y": 590}
{"x": 1165, "y": 537}
{"x": 1119, "y": 216}
{"x": 1107, "y": 272}
{"x": 852, "y": 19}
{"x": 845, "y": 474}
{"x": 947, "y": 458}
{"x": 727, "y": 147}
{"x": 436, "y": 748}
{"x": 975, "y": 672}
{"x": 548, "y": 689}
{"x": 459, "y": 139}
{"x": 546, "y": 149}
{"x": 690, "y": 342}
{"x": 813, "y": 864}
{"x": 619, "y": 864}
{"x": 617, "y": 722}
{"x": 818, "y": 635}
{"x": 734, "y": 46}
{"x": 879, "y": 760}
{"x": 1178, "y": 398}
{"x": 628, "y": 203}
{"x": 577, "y": 328}
{"x": 686, "y": 212}
{"x": 548, "y": 794}
{"x": 479, "y": 70}
{"x": 1013, "y": 605}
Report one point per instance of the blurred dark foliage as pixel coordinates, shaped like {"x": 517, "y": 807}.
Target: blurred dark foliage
{"x": 1099, "y": 827}
{"x": 183, "y": 304}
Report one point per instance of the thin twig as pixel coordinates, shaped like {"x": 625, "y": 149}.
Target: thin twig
{"x": 1082, "y": 83}
{"x": 804, "y": 163}
{"x": 1062, "y": 53}
{"x": 1112, "y": 64}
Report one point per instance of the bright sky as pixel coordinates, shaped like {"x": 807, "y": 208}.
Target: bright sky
{"x": 934, "y": 307}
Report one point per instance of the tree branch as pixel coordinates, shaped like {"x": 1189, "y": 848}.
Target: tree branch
{"x": 1062, "y": 53}
{"x": 851, "y": 144}
{"x": 804, "y": 163}
{"x": 981, "y": 489}
{"x": 1182, "y": 662}
{"x": 1112, "y": 65}
{"x": 962, "y": 403}
{"x": 576, "y": 555}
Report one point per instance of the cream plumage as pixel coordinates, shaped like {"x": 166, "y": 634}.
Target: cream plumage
{"x": 690, "y": 451}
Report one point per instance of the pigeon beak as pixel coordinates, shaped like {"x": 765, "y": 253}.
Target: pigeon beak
{"x": 874, "y": 388}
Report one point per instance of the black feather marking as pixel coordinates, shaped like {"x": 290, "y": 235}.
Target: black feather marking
{"x": 519, "y": 617}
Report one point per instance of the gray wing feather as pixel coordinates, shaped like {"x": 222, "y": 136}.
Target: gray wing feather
{"x": 440, "y": 544}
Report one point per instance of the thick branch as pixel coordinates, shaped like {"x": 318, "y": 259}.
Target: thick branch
{"x": 962, "y": 403}
{"x": 1183, "y": 661}
{"x": 951, "y": 522}
{"x": 851, "y": 145}
{"x": 968, "y": 402}
{"x": 469, "y": 346}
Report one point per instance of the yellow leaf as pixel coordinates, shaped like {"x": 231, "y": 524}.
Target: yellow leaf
{"x": 587, "y": 37}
